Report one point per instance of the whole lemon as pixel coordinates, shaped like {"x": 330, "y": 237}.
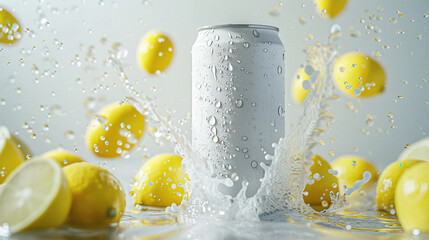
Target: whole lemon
{"x": 62, "y": 156}
{"x": 117, "y": 129}
{"x": 10, "y": 156}
{"x": 154, "y": 52}
{"x": 160, "y": 182}
{"x": 412, "y": 198}
{"x": 359, "y": 75}
{"x": 330, "y": 7}
{"x": 98, "y": 198}
{"x": 321, "y": 184}
{"x": 418, "y": 150}
{"x": 10, "y": 29}
{"x": 297, "y": 91}
{"x": 351, "y": 168}
{"x": 386, "y": 184}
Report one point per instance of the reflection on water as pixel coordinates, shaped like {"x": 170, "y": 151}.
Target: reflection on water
{"x": 157, "y": 224}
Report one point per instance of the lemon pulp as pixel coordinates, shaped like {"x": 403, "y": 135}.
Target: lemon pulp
{"x": 35, "y": 196}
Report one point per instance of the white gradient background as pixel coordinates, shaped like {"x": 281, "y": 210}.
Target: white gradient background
{"x": 79, "y": 24}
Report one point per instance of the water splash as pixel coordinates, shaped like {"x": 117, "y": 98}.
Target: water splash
{"x": 284, "y": 180}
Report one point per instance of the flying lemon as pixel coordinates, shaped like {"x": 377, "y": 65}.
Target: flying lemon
{"x": 330, "y": 7}
{"x": 412, "y": 198}
{"x": 160, "y": 182}
{"x": 321, "y": 184}
{"x": 117, "y": 129}
{"x": 10, "y": 156}
{"x": 35, "y": 196}
{"x": 351, "y": 168}
{"x": 359, "y": 75}
{"x": 10, "y": 29}
{"x": 297, "y": 90}
{"x": 62, "y": 157}
{"x": 154, "y": 52}
{"x": 98, "y": 196}
{"x": 387, "y": 182}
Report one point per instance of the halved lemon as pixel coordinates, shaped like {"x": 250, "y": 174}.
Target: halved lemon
{"x": 10, "y": 155}
{"x": 35, "y": 196}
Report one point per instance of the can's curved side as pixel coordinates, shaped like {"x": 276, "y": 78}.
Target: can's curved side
{"x": 238, "y": 97}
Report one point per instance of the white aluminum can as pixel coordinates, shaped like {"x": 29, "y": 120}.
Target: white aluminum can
{"x": 238, "y": 97}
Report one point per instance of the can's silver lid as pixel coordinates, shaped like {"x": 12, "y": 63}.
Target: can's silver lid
{"x": 256, "y": 26}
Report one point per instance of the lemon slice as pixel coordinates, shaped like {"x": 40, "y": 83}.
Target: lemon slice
{"x": 10, "y": 156}
{"x": 418, "y": 150}
{"x": 35, "y": 196}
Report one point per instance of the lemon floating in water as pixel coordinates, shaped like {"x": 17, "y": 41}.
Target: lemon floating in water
{"x": 330, "y": 7}
{"x": 386, "y": 184}
{"x": 26, "y": 152}
{"x": 10, "y": 29}
{"x": 359, "y": 75}
{"x": 418, "y": 150}
{"x": 154, "y": 52}
{"x": 323, "y": 183}
{"x": 10, "y": 156}
{"x": 116, "y": 130}
{"x": 160, "y": 182}
{"x": 98, "y": 196}
{"x": 297, "y": 90}
{"x": 35, "y": 196}
{"x": 62, "y": 156}
{"x": 412, "y": 198}
{"x": 351, "y": 168}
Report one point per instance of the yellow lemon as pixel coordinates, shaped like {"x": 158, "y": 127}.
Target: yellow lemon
{"x": 10, "y": 156}
{"x": 10, "y": 29}
{"x": 297, "y": 91}
{"x": 351, "y": 168}
{"x": 321, "y": 184}
{"x": 160, "y": 182}
{"x": 98, "y": 196}
{"x": 26, "y": 152}
{"x": 35, "y": 196}
{"x": 387, "y": 183}
{"x": 418, "y": 150}
{"x": 154, "y": 52}
{"x": 412, "y": 198}
{"x": 116, "y": 129}
{"x": 330, "y": 7}
{"x": 63, "y": 157}
{"x": 359, "y": 75}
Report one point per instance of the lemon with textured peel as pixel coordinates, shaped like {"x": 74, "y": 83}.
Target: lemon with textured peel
{"x": 35, "y": 196}
{"x": 418, "y": 150}
{"x": 297, "y": 90}
{"x": 412, "y": 198}
{"x": 387, "y": 183}
{"x": 330, "y": 7}
{"x": 117, "y": 129}
{"x": 154, "y": 52}
{"x": 62, "y": 156}
{"x": 10, "y": 156}
{"x": 10, "y": 29}
{"x": 98, "y": 196}
{"x": 160, "y": 182}
{"x": 321, "y": 184}
{"x": 359, "y": 75}
{"x": 351, "y": 168}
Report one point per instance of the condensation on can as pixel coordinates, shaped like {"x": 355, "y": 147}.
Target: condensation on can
{"x": 238, "y": 97}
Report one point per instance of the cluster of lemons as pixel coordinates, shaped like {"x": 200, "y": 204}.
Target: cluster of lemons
{"x": 58, "y": 187}
{"x": 401, "y": 189}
